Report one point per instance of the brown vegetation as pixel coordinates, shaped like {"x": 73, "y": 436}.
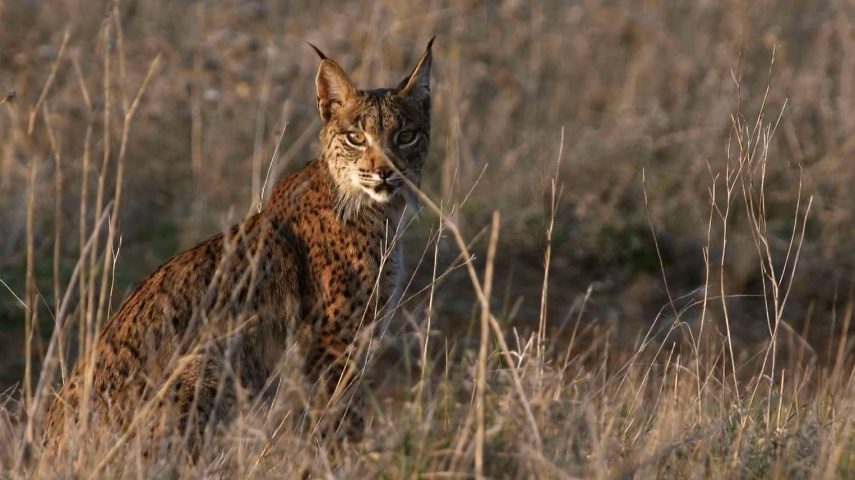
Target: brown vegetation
{"x": 682, "y": 170}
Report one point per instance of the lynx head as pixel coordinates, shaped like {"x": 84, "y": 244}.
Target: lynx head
{"x": 370, "y": 138}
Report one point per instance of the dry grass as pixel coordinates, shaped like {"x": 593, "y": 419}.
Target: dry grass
{"x": 636, "y": 257}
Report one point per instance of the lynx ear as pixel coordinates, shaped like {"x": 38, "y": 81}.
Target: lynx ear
{"x": 418, "y": 83}
{"x": 333, "y": 86}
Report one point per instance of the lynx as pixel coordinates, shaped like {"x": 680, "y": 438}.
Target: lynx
{"x": 309, "y": 271}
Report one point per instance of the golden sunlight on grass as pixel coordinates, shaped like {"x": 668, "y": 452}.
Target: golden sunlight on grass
{"x": 635, "y": 256}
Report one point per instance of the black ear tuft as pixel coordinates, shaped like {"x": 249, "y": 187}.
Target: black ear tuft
{"x": 321, "y": 54}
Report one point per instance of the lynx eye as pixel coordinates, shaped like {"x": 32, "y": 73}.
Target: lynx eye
{"x": 355, "y": 139}
{"x": 406, "y": 137}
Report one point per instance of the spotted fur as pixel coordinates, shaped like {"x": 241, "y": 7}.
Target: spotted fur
{"x": 212, "y": 322}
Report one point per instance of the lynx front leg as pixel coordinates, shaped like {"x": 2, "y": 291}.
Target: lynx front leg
{"x": 338, "y": 407}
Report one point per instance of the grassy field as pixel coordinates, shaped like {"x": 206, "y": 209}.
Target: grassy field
{"x": 645, "y": 214}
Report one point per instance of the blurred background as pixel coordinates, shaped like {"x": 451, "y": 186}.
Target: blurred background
{"x": 651, "y": 96}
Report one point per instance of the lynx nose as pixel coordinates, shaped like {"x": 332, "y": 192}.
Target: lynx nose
{"x": 385, "y": 173}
